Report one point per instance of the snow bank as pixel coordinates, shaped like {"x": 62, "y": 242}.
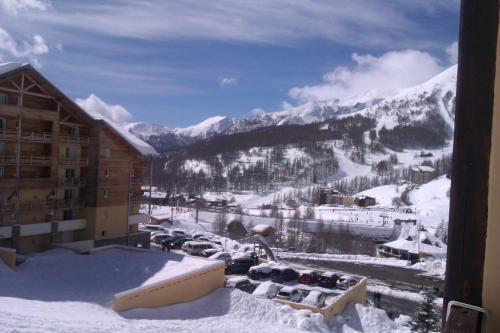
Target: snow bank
{"x": 347, "y": 258}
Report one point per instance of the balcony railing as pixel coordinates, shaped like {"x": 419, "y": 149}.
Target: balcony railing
{"x": 72, "y": 182}
{"x": 74, "y": 161}
{"x": 29, "y": 206}
{"x": 70, "y": 203}
{"x": 11, "y": 134}
{"x": 137, "y": 180}
{"x": 25, "y": 159}
{"x": 83, "y": 140}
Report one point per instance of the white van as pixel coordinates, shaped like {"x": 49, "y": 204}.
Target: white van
{"x": 196, "y": 248}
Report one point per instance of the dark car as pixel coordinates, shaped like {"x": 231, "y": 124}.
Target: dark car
{"x": 308, "y": 277}
{"x": 242, "y": 284}
{"x": 177, "y": 243}
{"x": 280, "y": 275}
{"x": 239, "y": 266}
{"x": 328, "y": 280}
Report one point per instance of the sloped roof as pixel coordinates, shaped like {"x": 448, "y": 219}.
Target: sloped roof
{"x": 139, "y": 145}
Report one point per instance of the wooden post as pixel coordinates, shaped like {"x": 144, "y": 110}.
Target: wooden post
{"x": 471, "y": 150}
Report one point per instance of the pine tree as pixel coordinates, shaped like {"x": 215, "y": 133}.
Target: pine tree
{"x": 427, "y": 319}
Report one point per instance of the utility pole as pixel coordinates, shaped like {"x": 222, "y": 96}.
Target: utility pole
{"x": 150, "y": 183}
{"x": 197, "y": 207}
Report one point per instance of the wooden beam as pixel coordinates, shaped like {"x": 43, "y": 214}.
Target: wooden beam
{"x": 28, "y": 113}
{"x": 471, "y": 151}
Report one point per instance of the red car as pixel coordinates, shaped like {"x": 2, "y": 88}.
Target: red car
{"x": 308, "y": 277}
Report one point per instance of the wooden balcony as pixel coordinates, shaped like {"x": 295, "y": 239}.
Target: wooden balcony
{"x": 72, "y": 182}
{"x": 74, "y": 161}
{"x": 82, "y": 140}
{"x": 70, "y": 203}
{"x": 24, "y": 160}
{"x": 25, "y": 136}
{"x": 24, "y": 206}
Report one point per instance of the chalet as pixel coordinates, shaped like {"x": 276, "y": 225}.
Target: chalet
{"x": 364, "y": 201}
{"x": 408, "y": 248}
{"x": 422, "y": 174}
{"x": 66, "y": 175}
{"x": 263, "y": 230}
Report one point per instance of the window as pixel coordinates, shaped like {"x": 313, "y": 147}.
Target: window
{"x": 71, "y": 153}
{"x": 67, "y": 215}
{"x": 106, "y": 193}
{"x": 106, "y": 173}
{"x": 132, "y": 172}
{"x": 68, "y": 194}
{"x": 104, "y": 233}
{"x": 70, "y": 173}
{"x": 3, "y": 99}
{"x": 1, "y": 171}
{"x": 2, "y": 147}
{"x": 3, "y": 124}
{"x": 72, "y": 131}
{"x": 18, "y": 124}
{"x": 107, "y": 152}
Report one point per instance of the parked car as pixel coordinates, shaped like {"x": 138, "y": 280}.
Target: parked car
{"x": 290, "y": 294}
{"x": 160, "y": 238}
{"x": 239, "y": 266}
{"x": 328, "y": 280}
{"x": 346, "y": 282}
{"x": 198, "y": 235}
{"x": 177, "y": 242}
{"x": 315, "y": 298}
{"x": 195, "y": 248}
{"x": 267, "y": 289}
{"x": 284, "y": 274}
{"x": 258, "y": 272}
{"x": 308, "y": 277}
{"x": 154, "y": 227}
{"x": 224, "y": 256}
{"x": 241, "y": 283}
{"x": 204, "y": 239}
{"x": 209, "y": 252}
{"x": 179, "y": 232}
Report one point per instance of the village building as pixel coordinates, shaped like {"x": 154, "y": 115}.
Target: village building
{"x": 66, "y": 175}
{"x": 329, "y": 196}
{"x": 409, "y": 248}
{"x": 364, "y": 201}
{"x": 422, "y": 174}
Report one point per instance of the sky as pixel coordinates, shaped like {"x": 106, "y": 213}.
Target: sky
{"x": 177, "y": 63}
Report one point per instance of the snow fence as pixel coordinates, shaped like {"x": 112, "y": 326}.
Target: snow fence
{"x": 181, "y": 288}
{"x": 355, "y": 294}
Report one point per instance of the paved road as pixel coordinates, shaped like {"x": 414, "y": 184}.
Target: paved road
{"x": 394, "y": 277}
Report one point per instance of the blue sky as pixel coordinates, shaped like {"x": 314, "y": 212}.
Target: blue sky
{"x": 177, "y": 63}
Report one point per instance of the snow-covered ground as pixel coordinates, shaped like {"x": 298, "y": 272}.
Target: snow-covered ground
{"x": 59, "y": 291}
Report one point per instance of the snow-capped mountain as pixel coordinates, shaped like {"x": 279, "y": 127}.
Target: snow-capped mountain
{"x": 417, "y": 104}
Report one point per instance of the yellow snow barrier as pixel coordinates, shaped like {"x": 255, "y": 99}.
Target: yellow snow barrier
{"x": 8, "y": 256}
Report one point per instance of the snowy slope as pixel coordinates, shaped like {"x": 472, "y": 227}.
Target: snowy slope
{"x": 390, "y": 107}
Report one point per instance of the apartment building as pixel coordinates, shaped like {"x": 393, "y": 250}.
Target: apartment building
{"x": 65, "y": 174}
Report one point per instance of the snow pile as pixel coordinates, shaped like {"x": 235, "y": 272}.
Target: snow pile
{"x": 360, "y": 318}
{"x": 433, "y": 266}
{"x": 346, "y": 258}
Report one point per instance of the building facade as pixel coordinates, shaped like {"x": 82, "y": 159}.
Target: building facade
{"x": 65, "y": 174}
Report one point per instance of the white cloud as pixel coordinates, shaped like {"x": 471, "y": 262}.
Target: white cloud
{"x": 99, "y": 108}
{"x": 11, "y": 48}
{"x": 228, "y": 81}
{"x": 257, "y": 112}
{"x": 13, "y": 7}
{"x": 388, "y": 72}
{"x": 364, "y": 23}
{"x": 452, "y": 52}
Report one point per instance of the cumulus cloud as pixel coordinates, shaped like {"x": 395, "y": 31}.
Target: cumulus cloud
{"x": 24, "y": 49}
{"x": 100, "y": 109}
{"x": 257, "y": 112}
{"x": 452, "y": 52}
{"x": 385, "y": 73}
{"x": 13, "y": 7}
{"x": 228, "y": 82}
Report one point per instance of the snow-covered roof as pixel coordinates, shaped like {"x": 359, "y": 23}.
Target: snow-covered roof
{"x": 423, "y": 168}
{"x": 139, "y": 145}
{"x": 329, "y": 274}
{"x": 161, "y": 216}
{"x": 10, "y": 66}
{"x": 261, "y": 228}
{"x": 409, "y": 244}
